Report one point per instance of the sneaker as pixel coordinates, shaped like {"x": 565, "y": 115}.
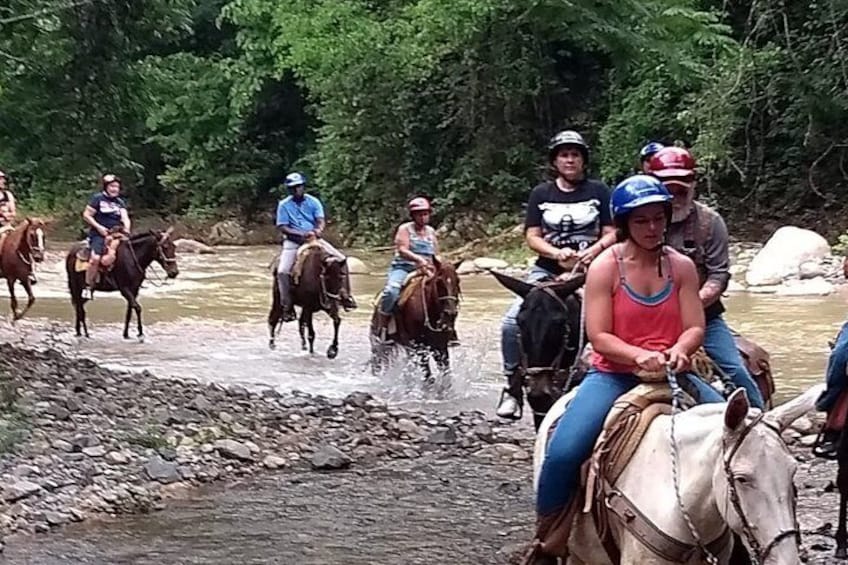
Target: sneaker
{"x": 509, "y": 407}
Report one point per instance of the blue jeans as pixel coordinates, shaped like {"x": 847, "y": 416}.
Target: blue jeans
{"x": 578, "y": 430}
{"x": 836, "y": 372}
{"x": 510, "y": 348}
{"x": 96, "y": 242}
{"x": 391, "y": 293}
{"x": 721, "y": 347}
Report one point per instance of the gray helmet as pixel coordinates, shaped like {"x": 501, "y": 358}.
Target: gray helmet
{"x": 567, "y": 137}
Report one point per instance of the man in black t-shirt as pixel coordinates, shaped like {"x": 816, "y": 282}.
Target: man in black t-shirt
{"x": 568, "y": 222}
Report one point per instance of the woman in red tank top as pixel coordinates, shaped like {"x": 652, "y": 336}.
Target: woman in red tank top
{"x": 642, "y": 312}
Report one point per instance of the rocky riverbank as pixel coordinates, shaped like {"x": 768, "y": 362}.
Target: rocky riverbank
{"x": 79, "y": 440}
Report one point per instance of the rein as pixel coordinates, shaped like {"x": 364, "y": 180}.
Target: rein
{"x": 427, "y": 323}
{"x": 160, "y": 255}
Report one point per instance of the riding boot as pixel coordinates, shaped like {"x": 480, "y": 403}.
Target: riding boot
{"x": 552, "y": 534}
{"x": 347, "y": 300}
{"x": 512, "y": 397}
{"x": 382, "y": 328}
{"x": 285, "y": 281}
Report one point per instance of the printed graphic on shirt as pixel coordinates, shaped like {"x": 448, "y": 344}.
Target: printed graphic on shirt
{"x": 573, "y": 224}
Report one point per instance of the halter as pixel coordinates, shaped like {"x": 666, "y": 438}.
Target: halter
{"x": 554, "y": 367}
{"x": 760, "y": 553}
{"x": 160, "y": 255}
{"x": 26, "y": 238}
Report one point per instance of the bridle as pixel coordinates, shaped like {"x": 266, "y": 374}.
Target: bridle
{"x": 760, "y": 553}
{"x": 555, "y": 369}
{"x": 34, "y": 243}
{"x": 442, "y": 326}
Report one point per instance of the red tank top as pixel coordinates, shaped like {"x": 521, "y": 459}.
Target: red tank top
{"x": 650, "y": 322}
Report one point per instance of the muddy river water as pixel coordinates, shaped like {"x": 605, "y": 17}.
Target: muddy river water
{"x": 209, "y": 323}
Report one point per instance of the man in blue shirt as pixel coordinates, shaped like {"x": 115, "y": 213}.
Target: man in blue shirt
{"x": 300, "y": 218}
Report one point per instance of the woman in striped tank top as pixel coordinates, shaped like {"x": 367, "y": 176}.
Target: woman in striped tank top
{"x": 642, "y": 312}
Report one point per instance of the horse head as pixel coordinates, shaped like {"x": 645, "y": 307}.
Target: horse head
{"x": 166, "y": 252}
{"x": 448, "y": 292}
{"x": 549, "y": 334}
{"x": 34, "y": 238}
{"x": 753, "y": 480}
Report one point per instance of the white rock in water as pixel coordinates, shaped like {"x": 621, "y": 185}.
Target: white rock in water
{"x": 193, "y": 246}
{"x": 733, "y": 286}
{"x": 467, "y": 268}
{"x": 810, "y": 270}
{"x": 356, "y": 266}
{"x": 783, "y": 254}
{"x": 812, "y": 287}
{"x": 487, "y": 263}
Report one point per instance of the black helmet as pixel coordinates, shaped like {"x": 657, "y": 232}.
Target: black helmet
{"x": 564, "y": 138}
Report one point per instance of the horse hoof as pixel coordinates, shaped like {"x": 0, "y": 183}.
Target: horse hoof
{"x": 332, "y": 352}
{"x": 841, "y": 553}
{"x": 272, "y": 346}
{"x": 141, "y": 339}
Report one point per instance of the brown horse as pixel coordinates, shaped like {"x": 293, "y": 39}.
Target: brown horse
{"x": 317, "y": 289}
{"x": 20, "y": 249}
{"x": 425, "y": 321}
{"x": 133, "y": 257}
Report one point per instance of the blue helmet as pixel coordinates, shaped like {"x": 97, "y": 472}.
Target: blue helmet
{"x": 650, "y": 149}
{"x": 636, "y": 191}
{"x": 294, "y": 179}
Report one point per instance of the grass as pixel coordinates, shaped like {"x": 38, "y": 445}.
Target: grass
{"x": 150, "y": 437}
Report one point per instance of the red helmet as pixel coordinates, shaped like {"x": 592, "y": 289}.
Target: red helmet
{"x": 671, "y": 162}
{"x": 419, "y": 204}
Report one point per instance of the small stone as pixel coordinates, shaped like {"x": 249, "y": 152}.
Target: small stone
{"x": 25, "y": 471}
{"x": 72, "y": 404}
{"x": 18, "y": 490}
{"x": 167, "y": 452}
{"x": 409, "y": 427}
{"x": 62, "y": 445}
{"x": 82, "y": 441}
{"x": 56, "y": 518}
{"x": 96, "y": 451}
{"x": 329, "y": 457}
{"x": 808, "y": 441}
{"x": 484, "y": 432}
{"x": 240, "y": 430}
{"x": 59, "y": 412}
{"x": 802, "y": 425}
{"x": 201, "y": 404}
{"x": 160, "y": 470}
{"x": 231, "y": 449}
{"x": 77, "y": 515}
{"x": 273, "y": 462}
{"x": 116, "y": 458}
{"x": 445, "y": 436}
{"x": 225, "y": 417}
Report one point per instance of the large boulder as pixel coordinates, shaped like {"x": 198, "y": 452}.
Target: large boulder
{"x": 193, "y": 246}
{"x": 227, "y": 232}
{"x": 356, "y": 266}
{"x": 783, "y": 255}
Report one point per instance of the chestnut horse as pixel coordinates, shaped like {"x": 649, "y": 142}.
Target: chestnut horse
{"x": 21, "y": 248}
{"x": 425, "y": 322}
{"x": 133, "y": 258}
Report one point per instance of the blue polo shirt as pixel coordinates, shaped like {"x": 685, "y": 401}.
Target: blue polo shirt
{"x": 302, "y": 216}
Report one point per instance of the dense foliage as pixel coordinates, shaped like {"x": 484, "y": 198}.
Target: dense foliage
{"x": 204, "y": 105}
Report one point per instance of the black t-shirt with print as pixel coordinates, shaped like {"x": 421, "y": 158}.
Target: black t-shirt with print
{"x": 568, "y": 219}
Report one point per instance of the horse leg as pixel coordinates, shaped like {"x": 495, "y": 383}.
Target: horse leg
{"x": 132, "y": 305}
{"x": 842, "y": 485}
{"x": 311, "y": 334}
{"x": 334, "y": 347}
{"x": 301, "y": 327}
{"x": 276, "y": 313}
{"x": 30, "y": 297}
{"x": 13, "y": 299}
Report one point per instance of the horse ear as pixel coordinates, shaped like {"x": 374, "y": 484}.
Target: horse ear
{"x": 737, "y": 409}
{"x": 568, "y": 287}
{"x": 783, "y": 415}
{"x": 166, "y": 234}
{"x": 517, "y": 286}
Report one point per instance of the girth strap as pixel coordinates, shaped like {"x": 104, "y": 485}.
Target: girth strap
{"x": 667, "y": 547}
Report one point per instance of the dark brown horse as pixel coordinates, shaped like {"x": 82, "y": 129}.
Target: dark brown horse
{"x": 317, "y": 289}
{"x": 425, "y": 322}
{"x": 21, "y": 248}
{"x": 133, "y": 257}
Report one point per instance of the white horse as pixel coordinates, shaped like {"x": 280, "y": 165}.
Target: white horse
{"x": 734, "y": 471}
